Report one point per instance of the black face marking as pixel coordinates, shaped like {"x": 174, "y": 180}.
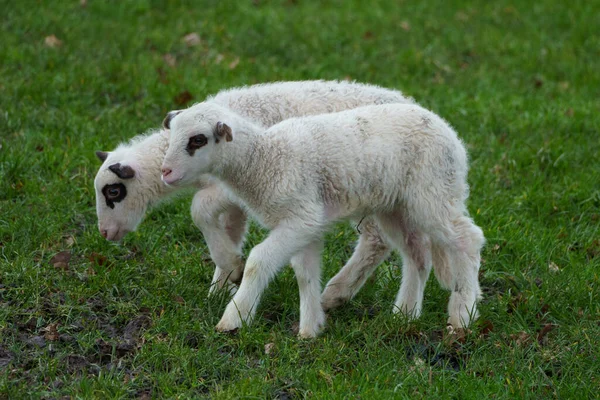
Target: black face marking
{"x": 114, "y": 193}
{"x": 195, "y": 143}
{"x": 125, "y": 172}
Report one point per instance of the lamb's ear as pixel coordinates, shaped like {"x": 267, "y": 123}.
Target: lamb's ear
{"x": 102, "y": 155}
{"x": 169, "y": 117}
{"x": 123, "y": 172}
{"x": 224, "y": 131}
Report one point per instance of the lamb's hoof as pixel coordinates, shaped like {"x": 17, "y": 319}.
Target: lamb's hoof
{"x": 225, "y": 325}
{"x": 312, "y": 331}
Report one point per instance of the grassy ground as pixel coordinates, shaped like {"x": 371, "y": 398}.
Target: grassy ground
{"x": 518, "y": 81}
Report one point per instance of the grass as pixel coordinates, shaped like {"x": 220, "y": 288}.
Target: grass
{"x": 518, "y": 81}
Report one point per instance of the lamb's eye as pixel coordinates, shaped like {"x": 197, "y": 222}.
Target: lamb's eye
{"x": 198, "y": 140}
{"x": 113, "y": 193}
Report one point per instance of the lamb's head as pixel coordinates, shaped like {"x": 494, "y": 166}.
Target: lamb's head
{"x": 196, "y": 137}
{"x": 121, "y": 201}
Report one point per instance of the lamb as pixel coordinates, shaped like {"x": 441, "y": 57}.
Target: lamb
{"x": 398, "y": 164}
{"x": 128, "y": 182}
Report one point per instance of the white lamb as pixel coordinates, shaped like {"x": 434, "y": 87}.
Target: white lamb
{"x": 128, "y": 182}
{"x": 399, "y": 164}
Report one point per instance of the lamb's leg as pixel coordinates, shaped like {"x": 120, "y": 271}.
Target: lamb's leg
{"x": 264, "y": 261}
{"x": 462, "y": 243}
{"x": 307, "y": 267}
{"x": 224, "y": 241}
{"x": 370, "y": 251}
{"x": 415, "y": 249}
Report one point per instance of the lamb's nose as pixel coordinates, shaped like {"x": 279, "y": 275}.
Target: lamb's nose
{"x": 166, "y": 171}
{"x": 104, "y": 233}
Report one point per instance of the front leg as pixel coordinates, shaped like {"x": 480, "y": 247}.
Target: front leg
{"x": 307, "y": 267}
{"x": 264, "y": 261}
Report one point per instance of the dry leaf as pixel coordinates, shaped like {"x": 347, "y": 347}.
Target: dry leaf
{"x": 83, "y": 3}
{"x": 544, "y": 331}
{"x": 70, "y": 241}
{"x": 486, "y": 328}
{"x": 219, "y": 58}
{"x": 368, "y": 35}
{"x": 178, "y": 299}
{"x": 234, "y": 63}
{"x": 51, "y": 334}
{"x": 183, "y": 98}
{"x": 191, "y": 39}
{"x": 52, "y": 41}
{"x": 61, "y": 260}
{"x": 269, "y": 347}
{"x": 553, "y": 267}
{"x": 461, "y": 16}
{"x": 520, "y": 338}
{"x": 97, "y": 258}
{"x": 405, "y": 25}
{"x": 170, "y": 60}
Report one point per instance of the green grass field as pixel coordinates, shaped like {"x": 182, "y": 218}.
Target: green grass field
{"x": 520, "y": 83}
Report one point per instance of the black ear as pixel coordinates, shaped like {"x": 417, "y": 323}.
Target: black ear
{"x": 125, "y": 172}
{"x": 169, "y": 117}
{"x": 102, "y": 155}
{"x": 224, "y": 131}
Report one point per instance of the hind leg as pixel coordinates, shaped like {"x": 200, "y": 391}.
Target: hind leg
{"x": 415, "y": 249}
{"x": 461, "y": 242}
{"x": 223, "y": 226}
{"x": 370, "y": 251}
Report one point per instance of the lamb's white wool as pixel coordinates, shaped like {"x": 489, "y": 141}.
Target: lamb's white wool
{"x": 222, "y": 221}
{"x": 399, "y": 164}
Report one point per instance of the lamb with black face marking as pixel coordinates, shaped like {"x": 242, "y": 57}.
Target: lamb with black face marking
{"x": 398, "y": 164}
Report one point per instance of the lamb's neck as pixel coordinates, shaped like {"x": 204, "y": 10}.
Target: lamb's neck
{"x": 239, "y": 162}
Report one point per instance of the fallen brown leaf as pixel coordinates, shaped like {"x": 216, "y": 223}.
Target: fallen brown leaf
{"x": 553, "y": 267}
{"x": 191, "y": 39}
{"x": 234, "y": 63}
{"x": 544, "y": 331}
{"x": 405, "y": 26}
{"x": 61, "y": 259}
{"x": 170, "y": 60}
{"x": 52, "y": 41}
{"x": 269, "y": 347}
{"x": 486, "y": 328}
{"x": 51, "y": 334}
{"x": 70, "y": 241}
{"x": 520, "y": 338}
{"x": 183, "y": 98}
{"x": 178, "y": 299}
{"x": 97, "y": 258}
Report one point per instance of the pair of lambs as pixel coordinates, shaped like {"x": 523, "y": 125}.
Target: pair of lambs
{"x": 398, "y": 167}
